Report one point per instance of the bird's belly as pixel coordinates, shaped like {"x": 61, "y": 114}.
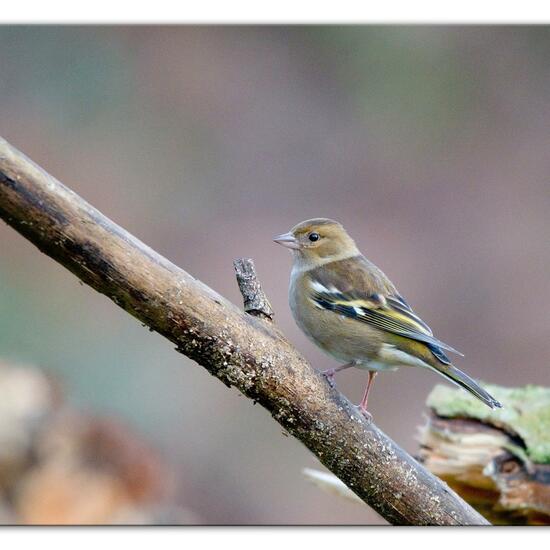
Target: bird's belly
{"x": 342, "y": 338}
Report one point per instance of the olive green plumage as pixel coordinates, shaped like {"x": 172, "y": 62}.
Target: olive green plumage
{"x": 351, "y": 310}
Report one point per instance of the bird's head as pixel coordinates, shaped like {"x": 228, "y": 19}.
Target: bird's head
{"x": 319, "y": 240}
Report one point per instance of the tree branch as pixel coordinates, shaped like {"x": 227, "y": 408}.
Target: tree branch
{"x": 241, "y": 350}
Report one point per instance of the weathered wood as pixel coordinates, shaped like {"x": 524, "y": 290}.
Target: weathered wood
{"x": 490, "y": 457}
{"x": 60, "y": 465}
{"x": 254, "y": 298}
{"x": 241, "y": 350}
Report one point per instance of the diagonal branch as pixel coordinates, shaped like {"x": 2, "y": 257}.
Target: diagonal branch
{"x": 242, "y": 350}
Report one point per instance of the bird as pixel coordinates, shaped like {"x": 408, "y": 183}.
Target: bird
{"x": 351, "y": 310}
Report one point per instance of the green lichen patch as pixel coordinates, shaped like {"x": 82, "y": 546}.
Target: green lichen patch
{"x": 525, "y": 412}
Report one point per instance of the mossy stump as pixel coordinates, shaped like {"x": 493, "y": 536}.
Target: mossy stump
{"x": 497, "y": 460}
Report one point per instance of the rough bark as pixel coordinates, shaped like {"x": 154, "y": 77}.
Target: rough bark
{"x": 241, "y": 350}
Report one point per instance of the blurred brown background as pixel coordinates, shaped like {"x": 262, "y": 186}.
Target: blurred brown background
{"x": 431, "y": 144}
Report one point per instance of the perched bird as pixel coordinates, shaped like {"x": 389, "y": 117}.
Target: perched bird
{"x": 353, "y": 312}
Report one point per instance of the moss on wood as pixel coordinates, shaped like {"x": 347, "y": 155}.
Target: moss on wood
{"x": 525, "y": 413}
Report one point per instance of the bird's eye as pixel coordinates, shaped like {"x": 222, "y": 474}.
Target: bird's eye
{"x": 313, "y": 237}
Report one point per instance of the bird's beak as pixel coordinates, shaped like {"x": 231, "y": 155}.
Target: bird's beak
{"x": 288, "y": 240}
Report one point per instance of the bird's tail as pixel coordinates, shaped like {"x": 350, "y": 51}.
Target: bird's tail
{"x": 464, "y": 381}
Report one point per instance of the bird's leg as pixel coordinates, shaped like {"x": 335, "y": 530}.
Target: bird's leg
{"x": 363, "y": 404}
{"x": 329, "y": 373}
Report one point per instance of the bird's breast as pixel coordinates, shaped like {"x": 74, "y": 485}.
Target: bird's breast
{"x": 342, "y": 338}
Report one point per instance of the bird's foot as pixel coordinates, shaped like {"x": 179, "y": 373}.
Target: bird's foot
{"x": 329, "y": 375}
{"x": 366, "y": 414}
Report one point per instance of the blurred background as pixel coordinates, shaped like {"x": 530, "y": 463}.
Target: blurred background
{"x": 431, "y": 145}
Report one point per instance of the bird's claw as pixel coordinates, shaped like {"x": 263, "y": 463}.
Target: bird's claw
{"x": 329, "y": 375}
{"x": 366, "y": 414}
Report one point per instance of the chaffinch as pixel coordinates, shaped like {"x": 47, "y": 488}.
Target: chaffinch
{"x": 353, "y": 312}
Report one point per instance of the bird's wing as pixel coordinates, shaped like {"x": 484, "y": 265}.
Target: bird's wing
{"x": 388, "y": 312}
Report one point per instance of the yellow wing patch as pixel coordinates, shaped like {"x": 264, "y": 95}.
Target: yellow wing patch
{"x": 389, "y": 313}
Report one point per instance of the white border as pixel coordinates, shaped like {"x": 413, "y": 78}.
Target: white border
{"x": 273, "y": 538}
{"x": 163, "y": 11}
{"x": 282, "y": 11}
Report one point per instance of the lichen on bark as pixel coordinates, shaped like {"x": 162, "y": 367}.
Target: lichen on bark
{"x": 525, "y": 413}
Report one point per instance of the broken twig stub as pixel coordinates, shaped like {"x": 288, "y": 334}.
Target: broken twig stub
{"x": 254, "y": 298}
